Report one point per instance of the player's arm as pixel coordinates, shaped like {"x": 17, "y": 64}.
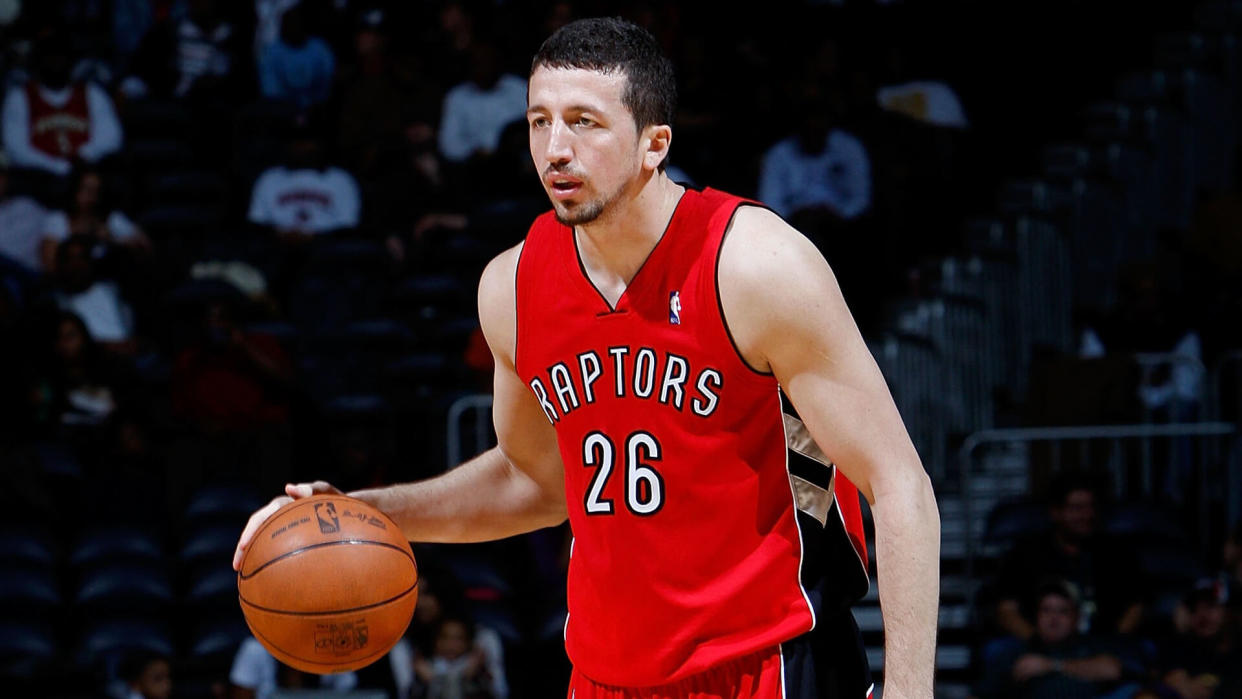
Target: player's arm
{"x": 510, "y": 489}
{"x": 516, "y": 487}
{"x": 787, "y": 315}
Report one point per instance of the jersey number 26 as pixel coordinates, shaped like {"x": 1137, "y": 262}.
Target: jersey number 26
{"x": 644, "y": 488}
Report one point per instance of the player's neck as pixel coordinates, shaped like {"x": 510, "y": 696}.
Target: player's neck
{"x": 614, "y": 246}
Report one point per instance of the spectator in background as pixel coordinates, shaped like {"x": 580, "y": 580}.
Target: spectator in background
{"x": 268, "y": 17}
{"x": 192, "y": 56}
{"x": 1106, "y": 574}
{"x": 257, "y": 675}
{"x": 1146, "y": 319}
{"x": 98, "y": 302}
{"x": 386, "y": 100}
{"x": 451, "y": 41}
{"x": 132, "y": 20}
{"x": 476, "y": 111}
{"x": 439, "y": 601}
{"x": 89, "y": 213}
{"x": 1204, "y": 661}
{"x": 305, "y": 197}
{"x": 1057, "y": 661}
{"x": 296, "y": 68}
{"x": 21, "y": 225}
{"x": 206, "y": 50}
{"x": 229, "y": 379}
{"x": 457, "y": 668}
{"x": 818, "y": 168}
{"x": 50, "y": 122}
{"x": 80, "y": 386}
{"x": 147, "y": 676}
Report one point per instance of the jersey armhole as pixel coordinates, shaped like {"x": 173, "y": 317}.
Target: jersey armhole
{"x": 517, "y": 306}
{"x": 724, "y": 321}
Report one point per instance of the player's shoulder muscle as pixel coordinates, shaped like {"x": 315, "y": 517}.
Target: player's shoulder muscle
{"x": 770, "y": 276}
{"x": 498, "y": 303}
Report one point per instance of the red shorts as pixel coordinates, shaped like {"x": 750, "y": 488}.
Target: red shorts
{"x": 755, "y": 676}
{"x": 807, "y": 667}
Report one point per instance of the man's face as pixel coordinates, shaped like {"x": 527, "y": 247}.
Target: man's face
{"x": 1055, "y": 619}
{"x": 453, "y": 640}
{"x": 583, "y": 140}
{"x": 1207, "y": 618}
{"x": 155, "y": 682}
{"x": 1075, "y": 517}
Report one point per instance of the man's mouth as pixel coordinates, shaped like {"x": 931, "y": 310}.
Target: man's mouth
{"x": 563, "y": 186}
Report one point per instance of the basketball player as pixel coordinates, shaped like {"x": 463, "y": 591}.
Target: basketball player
{"x": 643, "y": 334}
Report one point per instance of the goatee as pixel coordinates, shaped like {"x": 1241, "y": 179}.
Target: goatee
{"x": 586, "y": 213}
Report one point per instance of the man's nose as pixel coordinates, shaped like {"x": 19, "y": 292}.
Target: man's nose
{"x": 559, "y": 149}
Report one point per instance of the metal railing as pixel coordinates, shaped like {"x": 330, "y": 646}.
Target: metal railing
{"x": 481, "y": 405}
{"x": 1057, "y": 438}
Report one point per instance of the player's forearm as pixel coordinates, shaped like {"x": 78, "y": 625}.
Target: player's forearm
{"x": 485, "y": 498}
{"x": 908, "y": 562}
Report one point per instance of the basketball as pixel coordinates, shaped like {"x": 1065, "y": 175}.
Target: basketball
{"x": 328, "y": 584}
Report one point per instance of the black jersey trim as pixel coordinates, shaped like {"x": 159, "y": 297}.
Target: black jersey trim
{"x": 517, "y": 306}
{"x": 720, "y": 303}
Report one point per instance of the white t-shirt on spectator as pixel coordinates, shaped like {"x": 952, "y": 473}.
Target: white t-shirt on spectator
{"x": 928, "y": 101}
{"x": 120, "y": 227}
{"x": 255, "y": 669}
{"x": 21, "y": 231}
{"x": 108, "y": 318}
{"x": 473, "y": 118}
{"x": 838, "y": 177}
{"x": 313, "y": 201}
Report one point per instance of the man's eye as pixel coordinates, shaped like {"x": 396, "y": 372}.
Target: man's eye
{"x": 539, "y": 122}
{"x": 586, "y": 121}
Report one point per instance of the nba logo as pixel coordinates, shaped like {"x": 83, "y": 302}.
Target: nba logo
{"x": 674, "y": 308}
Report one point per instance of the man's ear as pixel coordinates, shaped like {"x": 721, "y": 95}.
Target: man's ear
{"x": 656, "y": 142}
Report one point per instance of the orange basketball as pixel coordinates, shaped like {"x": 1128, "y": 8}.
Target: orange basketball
{"x": 328, "y": 584}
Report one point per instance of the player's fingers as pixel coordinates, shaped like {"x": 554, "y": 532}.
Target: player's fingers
{"x": 256, "y": 520}
{"x": 305, "y": 490}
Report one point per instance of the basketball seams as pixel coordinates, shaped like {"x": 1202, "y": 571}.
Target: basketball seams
{"x": 278, "y": 588}
{"x": 351, "y": 610}
{"x": 303, "y": 502}
{"x": 323, "y": 544}
{"x": 269, "y": 522}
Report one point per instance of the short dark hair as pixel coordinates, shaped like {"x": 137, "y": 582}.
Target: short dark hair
{"x": 133, "y": 664}
{"x": 1058, "y": 588}
{"x": 612, "y": 44}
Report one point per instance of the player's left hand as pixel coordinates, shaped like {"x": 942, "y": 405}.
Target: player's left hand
{"x": 293, "y": 491}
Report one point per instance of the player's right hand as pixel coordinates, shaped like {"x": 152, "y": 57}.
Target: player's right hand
{"x": 292, "y": 492}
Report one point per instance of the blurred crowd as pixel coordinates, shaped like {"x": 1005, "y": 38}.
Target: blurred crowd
{"x": 239, "y": 243}
{"x": 1087, "y": 606}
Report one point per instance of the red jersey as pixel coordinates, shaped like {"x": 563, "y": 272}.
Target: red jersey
{"x": 59, "y": 131}
{"x": 688, "y": 550}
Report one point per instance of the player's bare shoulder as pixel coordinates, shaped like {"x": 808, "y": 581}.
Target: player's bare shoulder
{"x": 498, "y": 302}
{"x": 761, "y": 244}
{"x": 771, "y": 278}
